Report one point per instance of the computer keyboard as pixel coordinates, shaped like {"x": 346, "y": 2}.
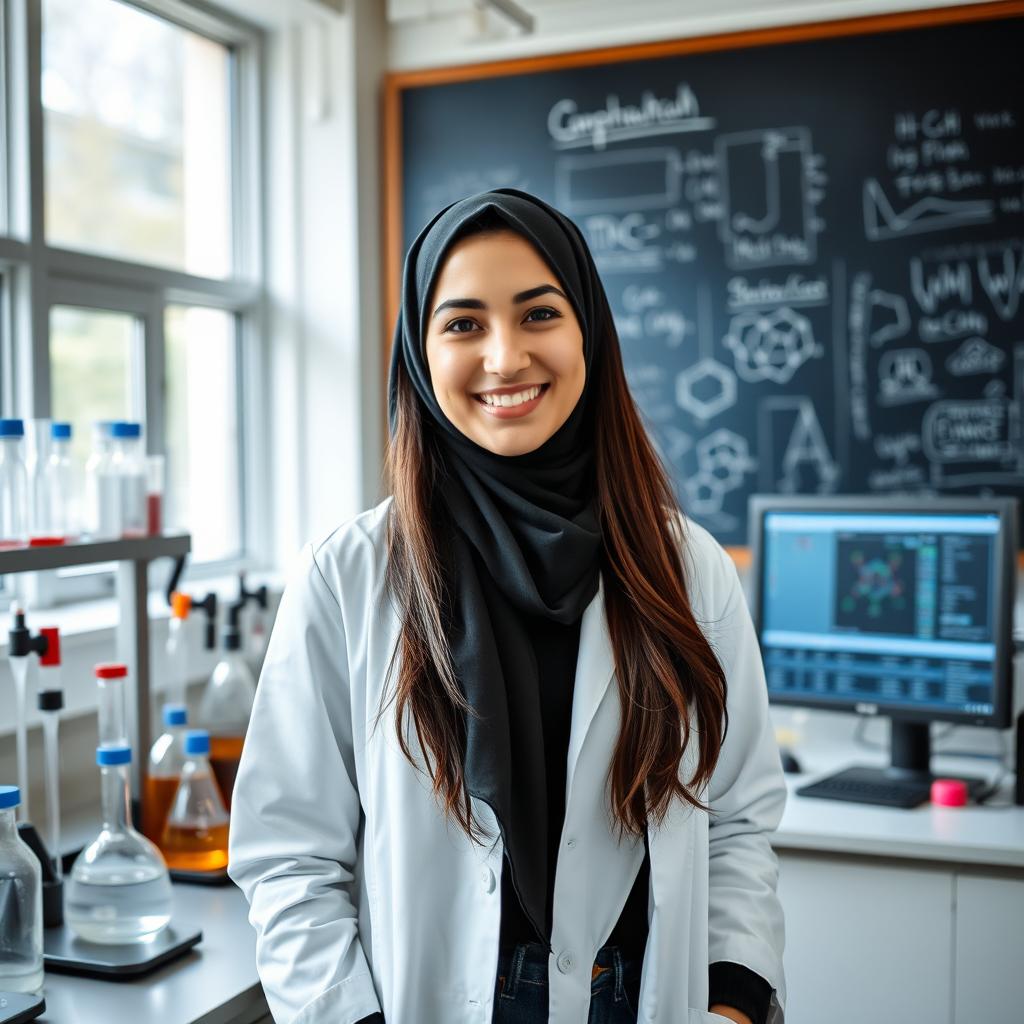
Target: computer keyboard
{"x": 863, "y": 786}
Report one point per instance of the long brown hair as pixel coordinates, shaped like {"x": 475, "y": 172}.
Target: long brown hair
{"x": 663, "y": 662}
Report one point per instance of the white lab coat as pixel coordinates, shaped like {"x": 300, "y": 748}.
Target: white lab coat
{"x": 364, "y": 898}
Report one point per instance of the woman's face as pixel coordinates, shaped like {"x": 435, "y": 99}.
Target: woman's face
{"x": 503, "y": 345}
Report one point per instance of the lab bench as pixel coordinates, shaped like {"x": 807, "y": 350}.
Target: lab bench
{"x": 914, "y": 916}
{"x": 215, "y": 983}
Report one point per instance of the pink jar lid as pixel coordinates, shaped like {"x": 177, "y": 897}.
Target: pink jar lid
{"x": 949, "y": 792}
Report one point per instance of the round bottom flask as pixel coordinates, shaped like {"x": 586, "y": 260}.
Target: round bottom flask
{"x": 119, "y": 890}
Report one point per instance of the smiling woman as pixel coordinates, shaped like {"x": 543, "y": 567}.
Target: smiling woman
{"x": 505, "y": 352}
{"x": 524, "y": 837}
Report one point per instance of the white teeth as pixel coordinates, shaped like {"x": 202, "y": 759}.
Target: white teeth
{"x": 508, "y": 400}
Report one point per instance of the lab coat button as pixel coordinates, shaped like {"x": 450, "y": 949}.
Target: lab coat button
{"x": 565, "y": 963}
{"x": 487, "y": 877}
{"x": 571, "y": 843}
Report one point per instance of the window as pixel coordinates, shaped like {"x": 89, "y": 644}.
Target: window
{"x": 132, "y": 278}
{"x": 202, "y": 404}
{"x": 136, "y": 136}
{"x": 93, "y": 355}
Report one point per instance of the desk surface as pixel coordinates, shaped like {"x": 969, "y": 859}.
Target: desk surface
{"x": 216, "y": 983}
{"x": 981, "y": 835}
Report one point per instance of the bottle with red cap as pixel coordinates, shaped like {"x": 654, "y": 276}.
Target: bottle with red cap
{"x": 111, "y": 681}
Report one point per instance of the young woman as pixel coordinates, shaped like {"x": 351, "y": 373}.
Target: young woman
{"x": 510, "y": 758}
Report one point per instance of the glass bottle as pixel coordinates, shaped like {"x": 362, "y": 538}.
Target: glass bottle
{"x": 102, "y": 498}
{"x": 226, "y": 706}
{"x": 166, "y": 760}
{"x": 119, "y": 890}
{"x": 129, "y": 470}
{"x": 21, "y": 904}
{"x": 13, "y": 484}
{"x": 195, "y": 837}
{"x": 60, "y": 487}
{"x": 111, "y": 683}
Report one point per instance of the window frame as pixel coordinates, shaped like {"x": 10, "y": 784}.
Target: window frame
{"x": 39, "y": 276}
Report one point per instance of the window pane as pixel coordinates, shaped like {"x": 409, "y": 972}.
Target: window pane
{"x": 203, "y": 479}
{"x": 93, "y": 366}
{"x": 136, "y": 114}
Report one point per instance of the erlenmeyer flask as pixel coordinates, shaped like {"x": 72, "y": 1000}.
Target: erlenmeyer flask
{"x": 196, "y": 835}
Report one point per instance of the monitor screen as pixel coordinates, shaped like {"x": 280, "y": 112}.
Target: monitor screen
{"x": 884, "y": 611}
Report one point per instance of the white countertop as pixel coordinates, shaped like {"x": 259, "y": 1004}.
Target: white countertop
{"x": 215, "y": 983}
{"x": 987, "y": 834}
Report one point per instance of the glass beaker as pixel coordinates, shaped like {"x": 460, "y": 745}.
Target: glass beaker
{"x": 166, "y": 760}
{"x": 195, "y": 837}
{"x": 21, "y": 904}
{"x": 119, "y": 890}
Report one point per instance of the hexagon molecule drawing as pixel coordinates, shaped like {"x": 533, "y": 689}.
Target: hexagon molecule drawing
{"x": 722, "y": 457}
{"x": 706, "y": 389}
{"x": 771, "y": 345}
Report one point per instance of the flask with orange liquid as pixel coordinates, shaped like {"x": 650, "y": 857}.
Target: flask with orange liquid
{"x": 226, "y": 706}
{"x": 195, "y": 837}
{"x": 166, "y": 761}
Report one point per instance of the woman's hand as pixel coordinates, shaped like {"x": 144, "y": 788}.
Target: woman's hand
{"x": 731, "y": 1013}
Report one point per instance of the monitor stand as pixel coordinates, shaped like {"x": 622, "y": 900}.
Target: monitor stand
{"x": 909, "y": 772}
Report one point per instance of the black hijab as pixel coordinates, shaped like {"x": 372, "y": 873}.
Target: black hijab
{"x": 525, "y": 538}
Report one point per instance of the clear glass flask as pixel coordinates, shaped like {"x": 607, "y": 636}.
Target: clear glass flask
{"x": 195, "y": 837}
{"x": 118, "y": 890}
{"x": 21, "y": 904}
{"x": 166, "y": 761}
{"x": 13, "y": 484}
{"x": 226, "y": 706}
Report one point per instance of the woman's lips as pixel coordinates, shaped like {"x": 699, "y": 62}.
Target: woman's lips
{"x": 510, "y": 412}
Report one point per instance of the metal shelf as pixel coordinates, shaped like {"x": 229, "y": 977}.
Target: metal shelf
{"x": 59, "y": 556}
{"x": 132, "y": 556}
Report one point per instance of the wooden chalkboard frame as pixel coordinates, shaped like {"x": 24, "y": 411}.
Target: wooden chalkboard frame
{"x": 397, "y": 82}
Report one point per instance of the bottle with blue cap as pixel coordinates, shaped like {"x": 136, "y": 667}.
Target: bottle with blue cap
{"x": 119, "y": 890}
{"x": 128, "y": 465}
{"x": 195, "y": 837}
{"x": 166, "y": 760}
{"x": 21, "y": 904}
{"x": 13, "y": 484}
{"x": 60, "y": 514}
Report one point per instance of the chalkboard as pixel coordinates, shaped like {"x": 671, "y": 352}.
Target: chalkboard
{"x": 814, "y": 249}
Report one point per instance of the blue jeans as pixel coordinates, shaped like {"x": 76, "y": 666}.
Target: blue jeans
{"x": 521, "y": 988}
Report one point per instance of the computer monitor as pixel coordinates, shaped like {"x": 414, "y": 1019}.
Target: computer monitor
{"x": 890, "y": 606}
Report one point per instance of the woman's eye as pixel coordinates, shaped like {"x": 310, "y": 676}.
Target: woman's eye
{"x": 461, "y": 326}
{"x": 543, "y": 313}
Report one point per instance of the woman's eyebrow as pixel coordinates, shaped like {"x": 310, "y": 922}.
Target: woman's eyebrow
{"x": 530, "y": 293}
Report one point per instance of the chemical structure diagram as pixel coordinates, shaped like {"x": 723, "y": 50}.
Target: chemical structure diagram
{"x": 722, "y": 459}
{"x": 706, "y": 389}
{"x": 771, "y": 345}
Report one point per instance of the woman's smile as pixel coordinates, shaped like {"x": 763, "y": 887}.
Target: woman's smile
{"x": 511, "y": 402}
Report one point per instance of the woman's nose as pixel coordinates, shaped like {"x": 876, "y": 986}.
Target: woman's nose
{"x": 505, "y": 353}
